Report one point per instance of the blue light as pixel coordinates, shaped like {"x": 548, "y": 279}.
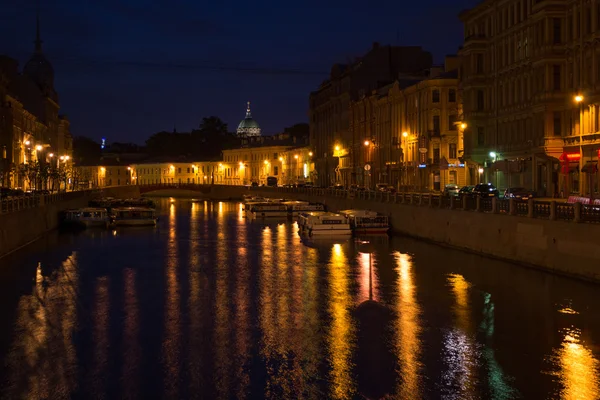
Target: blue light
{"x": 103, "y": 144}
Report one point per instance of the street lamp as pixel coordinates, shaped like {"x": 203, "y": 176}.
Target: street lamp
{"x": 367, "y": 143}
{"x": 39, "y": 147}
{"x": 463, "y": 126}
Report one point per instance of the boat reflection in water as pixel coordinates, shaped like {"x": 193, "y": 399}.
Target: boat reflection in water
{"x": 214, "y": 305}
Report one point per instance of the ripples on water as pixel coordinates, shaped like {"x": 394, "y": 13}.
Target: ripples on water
{"x": 212, "y": 305}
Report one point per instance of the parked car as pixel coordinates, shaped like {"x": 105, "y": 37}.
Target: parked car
{"x": 466, "y": 190}
{"x": 519, "y": 193}
{"x": 451, "y": 190}
{"x": 484, "y": 190}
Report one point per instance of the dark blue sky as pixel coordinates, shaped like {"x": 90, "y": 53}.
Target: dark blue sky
{"x": 127, "y": 71}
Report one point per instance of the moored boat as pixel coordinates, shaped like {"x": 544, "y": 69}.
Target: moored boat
{"x": 325, "y": 223}
{"x": 367, "y": 221}
{"x": 295, "y": 208}
{"x": 133, "y": 216}
{"x": 87, "y": 217}
{"x": 266, "y": 210}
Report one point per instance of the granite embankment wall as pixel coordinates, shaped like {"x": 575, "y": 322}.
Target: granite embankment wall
{"x": 18, "y": 228}
{"x": 567, "y": 248}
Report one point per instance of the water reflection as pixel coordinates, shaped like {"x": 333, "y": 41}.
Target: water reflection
{"x": 341, "y": 334}
{"x": 131, "y": 340}
{"x": 460, "y": 353}
{"x": 43, "y": 358}
{"x": 212, "y": 305}
{"x": 172, "y": 323}
{"x": 409, "y": 330}
{"x": 579, "y": 370}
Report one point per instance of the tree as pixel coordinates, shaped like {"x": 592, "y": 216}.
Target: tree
{"x": 86, "y": 151}
{"x": 171, "y": 144}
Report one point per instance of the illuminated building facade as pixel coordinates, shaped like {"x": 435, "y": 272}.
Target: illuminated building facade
{"x": 329, "y": 115}
{"x": 31, "y": 129}
{"x": 525, "y": 65}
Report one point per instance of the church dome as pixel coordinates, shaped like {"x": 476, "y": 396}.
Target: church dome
{"x": 248, "y": 127}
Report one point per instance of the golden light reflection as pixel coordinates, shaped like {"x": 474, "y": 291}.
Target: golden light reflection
{"x": 579, "y": 373}
{"x": 223, "y": 318}
{"x": 368, "y": 281}
{"x": 242, "y": 318}
{"x": 341, "y": 337}
{"x": 220, "y": 209}
{"x": 240, "y": 212}
{"x": 42, "y": 360}
{"x": 172, "y": 329}
{"x": 408, "y": 343}
{"x": 131, "y": 340}
{"x": 197, "y": 310}
{"x": 460, "y": 354}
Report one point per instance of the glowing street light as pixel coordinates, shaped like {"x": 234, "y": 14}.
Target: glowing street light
{"x": 266, "y": 162}
{"x": 27, "y": 142}
{"x": 337, "y": 148}
{"x": 310, "y": 153}
{"x": 39, "y": 147}
{"x": 405, "y": 134}
{"x": 51, "y": 155}
{"x": 578, "y": 98}
{"x": 463, "y": 126}
{"x": 67, "y": 158}
{"x": 493, "y": 154}
{"x": 296, "y": 156}
{"x": 367, "y": 143}
{"x": 481, "y": 170}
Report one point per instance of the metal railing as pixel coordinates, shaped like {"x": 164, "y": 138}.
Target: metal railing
{"x": 550, "y": 210}
{"x": 19, "y": 203}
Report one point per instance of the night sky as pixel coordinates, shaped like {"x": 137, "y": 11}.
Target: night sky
{"x": 126, "y": 71}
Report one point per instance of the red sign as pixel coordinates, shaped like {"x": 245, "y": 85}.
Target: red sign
{"x": 570, "y": 157}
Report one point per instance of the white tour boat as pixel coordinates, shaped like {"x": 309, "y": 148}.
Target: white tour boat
{"x": 134, "y": 216}
{"x": 267, "y": 209}
{"x": 325, "y": 223}
{"x": 295, "y": 208}
{"x": 367, "y": 222}
{"x": 87, "y": 217}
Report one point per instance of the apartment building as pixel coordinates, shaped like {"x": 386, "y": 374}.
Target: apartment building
{"x": 529, "y": 80}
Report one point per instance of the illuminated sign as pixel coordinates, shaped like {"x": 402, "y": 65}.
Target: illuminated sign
{"x": 422, "y": 166}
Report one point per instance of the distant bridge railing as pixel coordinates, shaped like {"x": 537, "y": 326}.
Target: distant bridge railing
{"x": 531, "y": 208}
{"x": 14, "y": 204}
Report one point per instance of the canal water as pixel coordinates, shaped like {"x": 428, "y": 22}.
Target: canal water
{"x": 211, "y": 305}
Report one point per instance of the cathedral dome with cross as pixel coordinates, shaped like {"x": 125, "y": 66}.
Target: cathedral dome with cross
{"x": 248, "y": 127}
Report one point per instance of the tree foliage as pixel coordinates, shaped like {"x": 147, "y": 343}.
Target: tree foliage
{"x": 205, "y": 143}
{"x": 86, "y": 151}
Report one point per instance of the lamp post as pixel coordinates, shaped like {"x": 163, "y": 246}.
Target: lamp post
{"x": 579, "y": 100}
{"x": 405, "y": 158}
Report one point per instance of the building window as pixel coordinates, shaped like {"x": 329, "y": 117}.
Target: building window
{"x": 436, "y": 124}
{"x": 452, "y": 150}
{"x": 452, "y": 178}
{"x": 179, "y": 170}
{"x": 480, "y": 100}
{"x": 557, "y": 123}
{"x": 275, "y": 156}
{"x": 480, "y": 136}
{"x": 556, "y": 77}
{"x": 479, "y": 63}
{"x": 556, "y": 31}
{"x": 436, "y": 96}
{"x": 452, "y": 122}
{"x": 276, "y": 170}
{"x": 436, "y": 156}
{"x": 452, "y": 96}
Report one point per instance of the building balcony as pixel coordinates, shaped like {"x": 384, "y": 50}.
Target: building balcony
{"x": 477, "y": 41}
